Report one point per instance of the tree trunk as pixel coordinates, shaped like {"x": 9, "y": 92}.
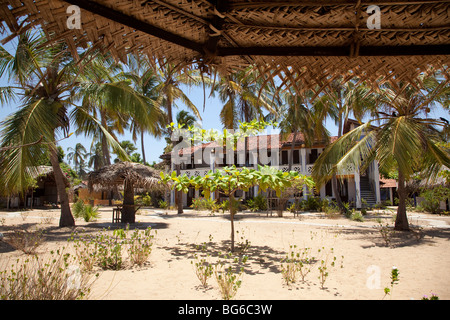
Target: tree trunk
{"x": 105, "y": 147}
{"x": 66, "y": 219}
{"x": 401, "y": 222}
{"x": 142, "y": 147}
{"x": 291, "y": 154}
{"x": 128, "y": 213}
{"x": 336, "y": 192}
{"x": 232, "y": 220}
{"x": 179, "y": 194}
{"x": 334, "y": 182}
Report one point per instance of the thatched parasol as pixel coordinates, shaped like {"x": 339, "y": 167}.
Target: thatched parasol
{"x": 129, "y": 174}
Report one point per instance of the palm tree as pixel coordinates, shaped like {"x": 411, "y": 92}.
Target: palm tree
{"x": 77, "y": 155}
{"x": 45, "y": 74}
{"x": 49, "y": 77}
{"x": 99, "y": 90}
{"x": 171, "y": 78}
{"x": 185, "y": 119}
{"x": 301, "y": 116}
{"x": 243, "y": 96}
{"x": 340, "y": 99}
{"x": 406, "y": 138}
{"x": 144, "y": 80}
{"x": 96, "y": 158}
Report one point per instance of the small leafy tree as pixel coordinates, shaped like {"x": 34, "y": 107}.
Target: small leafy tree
{"x": 228, "y": 180}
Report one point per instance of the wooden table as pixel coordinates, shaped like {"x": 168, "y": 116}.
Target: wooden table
{"x": 117, "y": 212}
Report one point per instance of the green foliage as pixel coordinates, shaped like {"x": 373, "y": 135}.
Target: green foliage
{"x": 433, "y": 197}
{"x": 386, "y": 232}
{"x": 163, "y": 204}
{"x": 25, "y": 240}
{"x": 298, "y": 261}
{"x": 357, "y": 216}
{"x": 85, "y": 211}
{"x": 203, "y": 269}
{"x": 110, "y": 255}
{"x": 204, "y": 204}
{"x": 394, "y": 281}
{"x": 433, "y": 297}
{"x": 236, "y": 205}
{"x": 258, "y": 203}
{"x": 51, "y": 277}
{"x": 140, "y": 246}
{"x": 228, "y": 180}
{"x": 143, "y": 200}
{"x": 147, "y": 200}
{"x": 229, "y": 278}
{"x": 106, "y": 248}
{"x": 311, "y": 204}
{"x": 325, "y": 263}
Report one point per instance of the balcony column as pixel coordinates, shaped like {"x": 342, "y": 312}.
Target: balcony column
{"x": 376, "y": 178}
{"x": 172, "y": 192}
{"x": 357, "y": 188}
{"x": 255, "y": 166}
{"x": 212, "y": 162}
{"x": 303, "y": 160}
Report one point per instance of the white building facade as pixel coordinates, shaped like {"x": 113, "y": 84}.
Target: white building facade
{"x": 358, "y": 188}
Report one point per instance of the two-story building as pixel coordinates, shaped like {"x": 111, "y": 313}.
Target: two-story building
{"x": 273, "y": 151}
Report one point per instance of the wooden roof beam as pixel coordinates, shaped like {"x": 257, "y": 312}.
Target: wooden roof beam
{"x": 136, "y": 24}
{"x": 412, "y": 50}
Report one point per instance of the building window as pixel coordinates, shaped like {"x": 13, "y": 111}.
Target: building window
{"x": 284, "y": 157}
{"x": 329, "y": 189}
{"x": 296, "y": 156}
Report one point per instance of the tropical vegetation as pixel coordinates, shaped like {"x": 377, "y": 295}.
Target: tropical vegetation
{"x": 99, "y": 98}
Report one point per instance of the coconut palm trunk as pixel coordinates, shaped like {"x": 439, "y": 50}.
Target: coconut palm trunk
{"x": 231, "y": 207}
{"x": 401, "y": 222}
{"x": 66, "y": 218}
{"x": 128, "y": 212}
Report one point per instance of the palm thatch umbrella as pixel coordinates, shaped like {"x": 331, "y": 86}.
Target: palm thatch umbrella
{"x": 129, "y": 174}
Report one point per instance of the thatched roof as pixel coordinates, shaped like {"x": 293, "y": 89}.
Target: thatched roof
{"x": 314, "y": 41}
{"x": 116, "y": 174}
{"x": 46, "y": 172}
{"x": 388, "y": 183}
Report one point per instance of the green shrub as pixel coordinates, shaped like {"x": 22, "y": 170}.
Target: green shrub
{"x": 229, "y": 279}
{"x": 52, "y": 277}
{"x": 163, "y": 204}
{"x": 110, "y": 254}
{"x": 237, "y": 205}
{"x": 432, "y": 199}
{"x": 85, "y": 211}
{"x": 258, "y": 203}
{"x": 147, "y": 200}
{"x": 357, "y": 216}
{"x": 106, "y": 250}
{"x": 204, "y": 204}
{"x": 311, "y": 204}
{"x": 26, "y": 241}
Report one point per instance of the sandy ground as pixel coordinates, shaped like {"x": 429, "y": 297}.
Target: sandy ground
{"x": 361, "y": 271}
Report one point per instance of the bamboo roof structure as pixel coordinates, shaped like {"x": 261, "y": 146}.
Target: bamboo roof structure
{"x": 46, "y": 172}
{"x": 117, "y": 174}
{"x": 313, "y": 41}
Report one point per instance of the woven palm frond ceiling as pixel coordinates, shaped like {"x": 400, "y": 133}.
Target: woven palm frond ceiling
{"x": 314, "y": 41}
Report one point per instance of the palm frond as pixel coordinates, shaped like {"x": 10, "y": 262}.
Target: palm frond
{"x": 351, "y": 148}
